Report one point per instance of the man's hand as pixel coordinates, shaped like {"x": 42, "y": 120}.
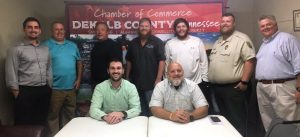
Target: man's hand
{"x": 77, "y": 84}
{"x": 15, "y": 92}
{"x": 114, "y": 117}
{"x": 240, "y": 86}
{"x": 297, "y": 97}
{"x": 180, "y": 116}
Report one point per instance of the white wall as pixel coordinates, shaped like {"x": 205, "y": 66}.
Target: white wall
{"x": 243, "y": 12}
{"x": 12, "y": 14}
{"x": 281, "y": 9}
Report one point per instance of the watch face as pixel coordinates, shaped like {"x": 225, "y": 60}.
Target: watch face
{"x": 191, "y": 118}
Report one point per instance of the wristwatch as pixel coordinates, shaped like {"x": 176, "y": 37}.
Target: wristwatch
{"x": 191, "y": 118}
{"x": 298, "y": 89}
{"x": 125, "y": 114}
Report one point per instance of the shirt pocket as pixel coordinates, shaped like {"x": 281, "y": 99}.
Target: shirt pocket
{"x": 225, "y": 55}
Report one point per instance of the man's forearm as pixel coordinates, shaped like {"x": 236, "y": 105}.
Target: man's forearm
{"x": 298, "y": 80}
{"x": 161, "y": 113}
{"x": 248, "y": 69}
{"x": 79, "y": 70}
{"x": 128, "y": 69}
{"x": 161, "y": 67}
{"x": 200, "y": 112}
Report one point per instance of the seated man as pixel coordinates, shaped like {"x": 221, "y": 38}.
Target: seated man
{"x": 115, "y": 99}
{"x": 178, "y": 99}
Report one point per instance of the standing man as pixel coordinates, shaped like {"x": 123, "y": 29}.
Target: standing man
{"x": 277, "y": 72}
{"x": 231, "y": 66}
{"x": 178, "y": 99}
{"x": 67, "y": 73}
{"x": 103, "y": 51}
{"x": 115, "y": 99}
{"x": 189, "y": 51}
{"x": 28, "y": 76}
{"x": 145, "y": 63}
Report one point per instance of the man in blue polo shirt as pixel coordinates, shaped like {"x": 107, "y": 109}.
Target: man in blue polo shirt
{"x": 67, "y": 72}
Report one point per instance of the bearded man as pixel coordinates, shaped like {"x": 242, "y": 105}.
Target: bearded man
{"x": 231, "y": 64}
{"x": 178, "y": 99}
{"x": 145, "y": 63}
{"x": 190, "y": 52}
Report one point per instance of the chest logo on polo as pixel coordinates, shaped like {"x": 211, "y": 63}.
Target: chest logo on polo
{"x": 149, "y": 46}
{"x": 226, "y": 47}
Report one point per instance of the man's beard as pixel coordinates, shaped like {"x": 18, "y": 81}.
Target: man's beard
{"x": 176, "y": 82}
{"x": 182, "y": 37}
{"x": 33, "y": 38}
{"x": 115, "y": 79}
{"x": 145, "y": 36}
{"x": 227, "y": 33}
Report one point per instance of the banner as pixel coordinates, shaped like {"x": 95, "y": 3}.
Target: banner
{"x": 124, "y": 19}
{"x": 123, "y": 22}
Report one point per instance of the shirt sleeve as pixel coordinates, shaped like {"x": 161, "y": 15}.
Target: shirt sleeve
{"x": 134, "y": 103}
{"x": 168, "y": 59}
{"x": 93, "y": 62}
{"x": 248, "y": 51}
{"x": 203, "y": 61}
{"x": 49, "y": 71}
{"x": 157, "y": 95}
{"x": 160, "y": 53}
{"x": 129, "y": 52}
{"x": 78, "y": 57}
{"x": 11, "y": 69}
{"x": 198, "y": 97}
{"x": 292, "y": 47}
{"x": 96, "y": 105}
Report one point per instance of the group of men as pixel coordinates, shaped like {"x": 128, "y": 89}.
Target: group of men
{"x": 191, "y": 80}
{"x": 44, "y": 77}
{"x": 182, "y": 95}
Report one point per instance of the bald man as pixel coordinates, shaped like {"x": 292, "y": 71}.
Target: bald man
{"x": 178, "y": 99}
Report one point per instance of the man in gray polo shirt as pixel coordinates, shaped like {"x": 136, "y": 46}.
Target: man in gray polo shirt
{"x": 178, "y": 99}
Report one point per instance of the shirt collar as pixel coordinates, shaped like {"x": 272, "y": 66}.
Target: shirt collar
{"x": 228, "y": 39}
{"x": 266, "y": 40}
{"x": 114, "y": 87}
{"x": 54, "y": 41}
{"x": 188, "y": 38}
{"x": 27, "y": 42}
{"x": 150, "y": 38}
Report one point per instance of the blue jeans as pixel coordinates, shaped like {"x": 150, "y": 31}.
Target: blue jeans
{"x": 145, "y": 97}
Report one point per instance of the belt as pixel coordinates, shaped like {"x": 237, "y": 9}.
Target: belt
{"x": 225, "y": 85}
{"x": 275, "y": 81}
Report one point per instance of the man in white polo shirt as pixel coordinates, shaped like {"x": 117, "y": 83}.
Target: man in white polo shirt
{"x": 189, "y": 51}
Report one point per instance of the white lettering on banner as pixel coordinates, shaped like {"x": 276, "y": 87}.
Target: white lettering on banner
{"x": 180, "y": 13}
{"x": 131, "y": 25}
{"x": 205, "y": 24}
{"x": 114, "y": 24}
{"x": 165, "y": 24}
{"x": 104, "y": 14}
{"x": 160, "y": 24}
{"x": 83, "y": 24}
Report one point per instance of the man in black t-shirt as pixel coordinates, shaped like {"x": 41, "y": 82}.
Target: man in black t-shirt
{"x": 103, "y": 51}
{"x": 145, "y": 63}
